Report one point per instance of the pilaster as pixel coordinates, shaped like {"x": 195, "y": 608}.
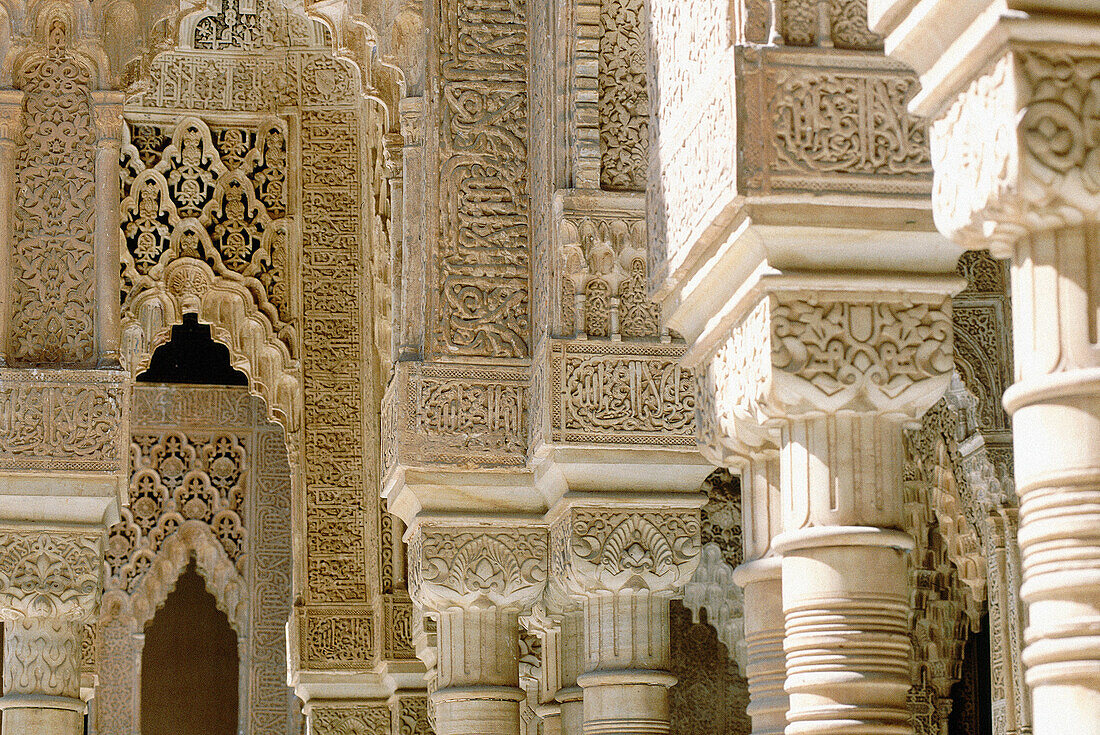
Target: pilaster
{"x": 1010, "y": 94}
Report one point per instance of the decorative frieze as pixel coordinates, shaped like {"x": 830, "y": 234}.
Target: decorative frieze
{"x": 483, "y": 256}
{"x": 50, "y": 575}
{"x": 836, "y": 123}
{"x": 334, "y": 639}
{"x": 332, "y": 718}
{"x": 623, "y": 97}
{"x": 63, "y": 421}
{"x": 397, "y": 618}
{"x": 621, "y": 393}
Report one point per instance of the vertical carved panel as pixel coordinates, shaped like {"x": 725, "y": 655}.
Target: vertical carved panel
{"x": 53, "y": 265}
{"x": 623, "y": 97}
{"x": 483, "y": 257}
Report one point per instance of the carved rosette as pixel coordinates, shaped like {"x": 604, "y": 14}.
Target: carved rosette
{"x": 601, "y": 549}
{"x": 49, "y": 575}
{"x": 476, "y": 566}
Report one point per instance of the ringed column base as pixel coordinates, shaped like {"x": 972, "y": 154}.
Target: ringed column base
{"x": 846, "y": 606}
{"x": 766, "y": 667}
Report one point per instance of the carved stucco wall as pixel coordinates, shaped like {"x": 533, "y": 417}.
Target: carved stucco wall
{"x": 210, "y": 481}
{"x": 254, "y": 171}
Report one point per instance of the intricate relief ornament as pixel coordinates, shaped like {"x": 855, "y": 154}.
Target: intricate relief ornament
{"x": 623, "y": 99}
{"x": 620, "y": 393}
{"x": 654, "y": 549}
{"x": 457, "y": 416}
{"x": 63, "y": 421}
{"x": 484, "y": 249}
{"x": 604, "y": 277}
{"x": 337, "y": 639}
{"x": 464, "y": 566}
{"x": 1017, "y": 151}
{"x": 800, "y": 21}
{"x": 874, "y": 355}
{"x": 176, "y": 478}
{"x": 53, "y": 261}
{"x": 41, "y": 657}
{"x": 359, "y": 720}
{"x": 49, "y": 575}
{"x": 412, "y": 716}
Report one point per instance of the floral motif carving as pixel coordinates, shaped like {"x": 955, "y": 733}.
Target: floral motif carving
{"x": 656, "y": 549}
{"x": 412, "y": 716}
{"x": 623, "y": 98}
{"x": 882, "y": 353}
{"x": 50, "y": 575}
{"x": 459, "y": 566}
{"x": 621, "y": 393}
{"x": 53, "y": 262}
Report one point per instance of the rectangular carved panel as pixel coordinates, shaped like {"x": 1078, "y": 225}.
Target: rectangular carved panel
{"x": 483, "y": 256}
{"x": 63, "y": 420}
{"x": 621, "y": 393}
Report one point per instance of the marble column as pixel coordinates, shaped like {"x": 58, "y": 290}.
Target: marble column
{"x": 623, "y": 559}
{"x": 1017, "y": 162}
{"x": 49, "y": 587}
{"x": 834, "y": 371}
{"x": 476, "y": 578}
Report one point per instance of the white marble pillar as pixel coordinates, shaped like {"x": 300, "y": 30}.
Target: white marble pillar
{"x": 623, "y": 559}
{"x": 836, "y": 366}
{"x": 1017, "y": 163}
{"x": 49, "y": 587}
{"x": 760, "y": 575}
{"x": 477, "y": 577}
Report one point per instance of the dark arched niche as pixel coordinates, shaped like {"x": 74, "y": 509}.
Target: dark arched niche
{"x": 192, "y": 356}
{"x": 189, "y": 675}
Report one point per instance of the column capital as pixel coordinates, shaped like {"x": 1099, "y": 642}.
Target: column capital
{"x": 803, "y": 345}
{"x": 476, "y": 562}
{"x": 598, "y": 545}
{"x": 49, "y": 574}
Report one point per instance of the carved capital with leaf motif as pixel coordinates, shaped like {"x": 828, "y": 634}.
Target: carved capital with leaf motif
{"x": 476, "y": 564}
{"x": 802, "y": 351}
{"x": 49, "y": 574}
{"x": 625, "y": 547}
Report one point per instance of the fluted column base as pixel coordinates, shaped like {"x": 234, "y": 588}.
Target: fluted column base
{"x": 846, "y": 605}
{"x": 766, "y": 668}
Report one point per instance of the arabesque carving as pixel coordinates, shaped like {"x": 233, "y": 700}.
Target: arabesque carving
{"x": 623, "y": 97}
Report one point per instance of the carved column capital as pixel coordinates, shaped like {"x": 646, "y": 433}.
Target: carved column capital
{"x": 876, "y": 345}
{"x": 476, "y": 564}
{"x": 49, "y": 574}
{"x": 1016, "y": 152}
{"x": 608, "y": 548}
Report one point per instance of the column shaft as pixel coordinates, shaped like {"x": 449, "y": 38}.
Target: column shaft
{"x": 478, "y": 680}
{"x": 764, "y": 630}
{"x": 845, "y": 576}
{"x": 42, "y": 677}
{"x": 627, "y": 650}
